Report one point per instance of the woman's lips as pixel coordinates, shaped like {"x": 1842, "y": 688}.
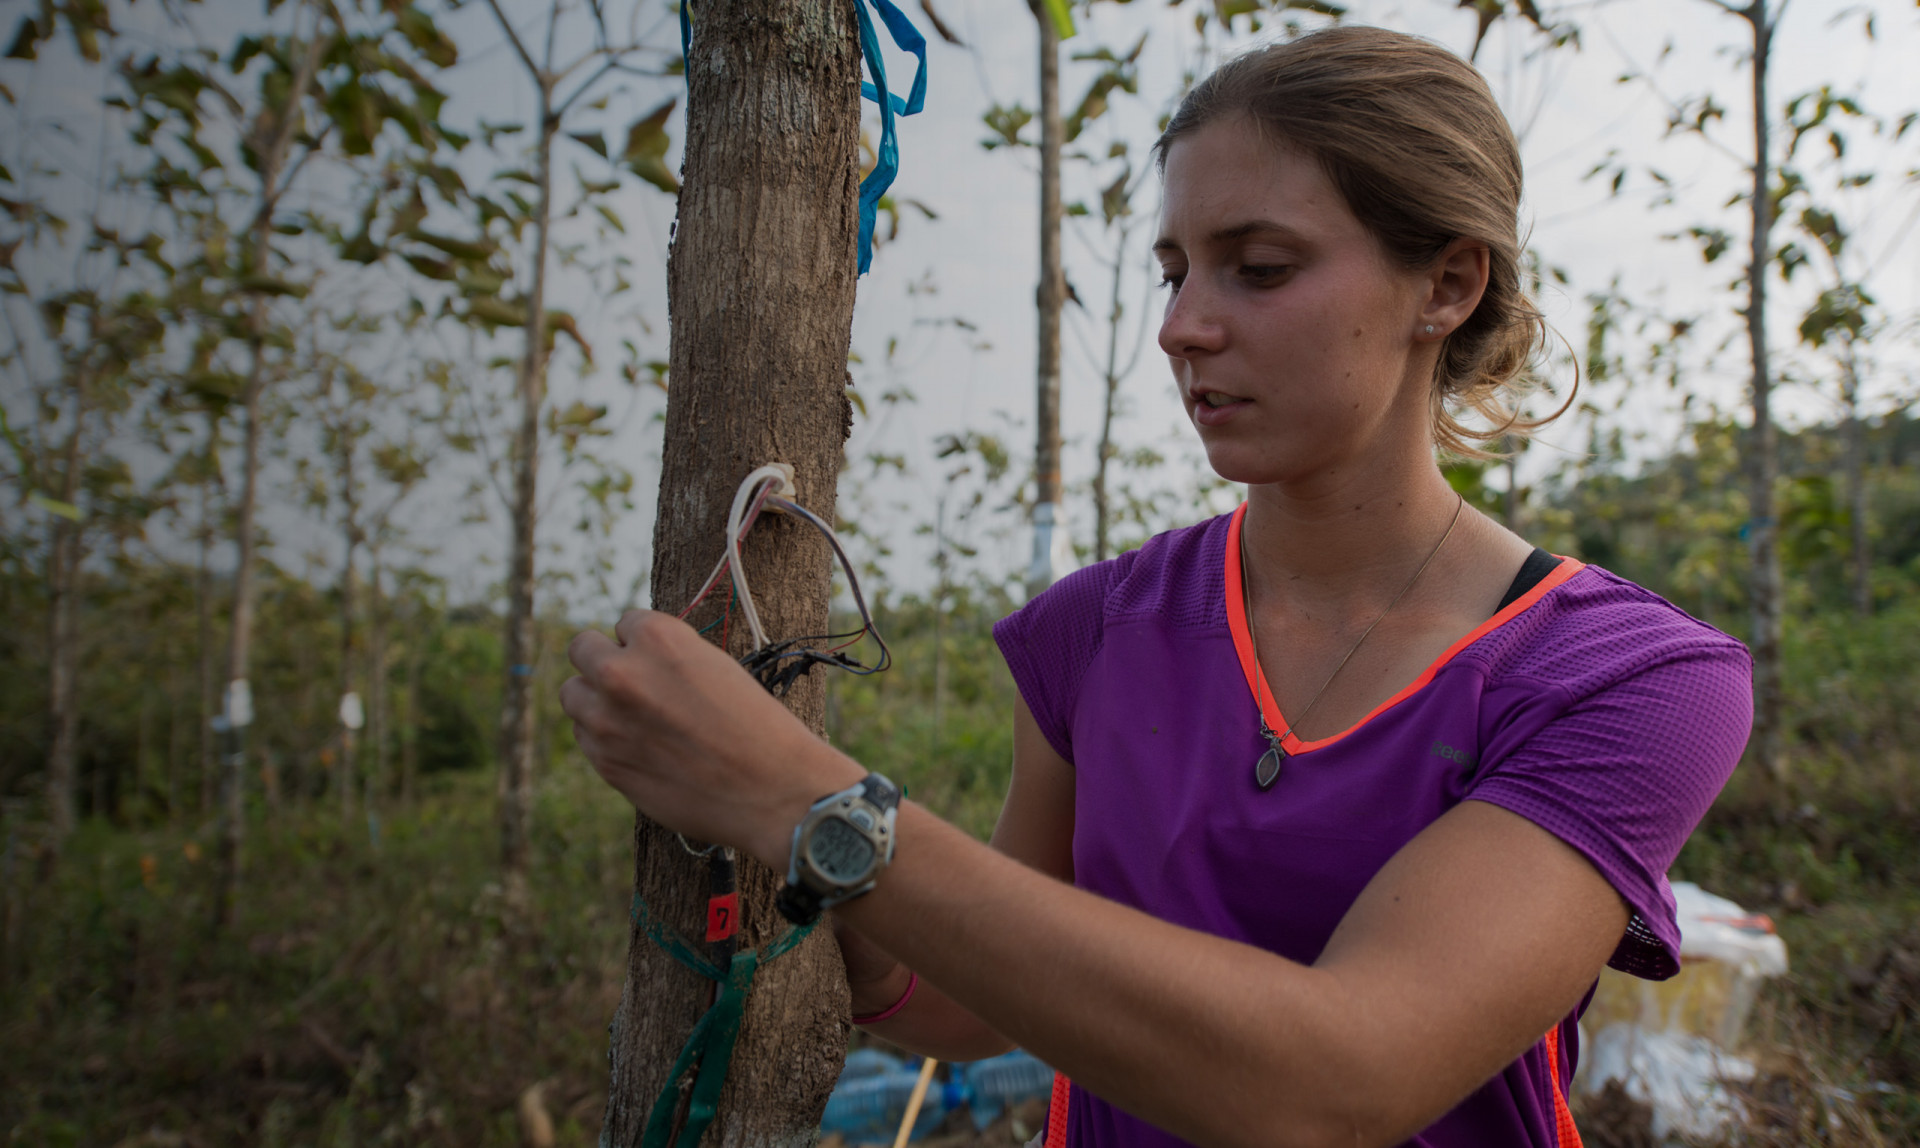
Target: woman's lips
{"x": 1208, "y": 415}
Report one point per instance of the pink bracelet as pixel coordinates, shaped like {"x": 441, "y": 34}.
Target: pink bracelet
{"x": 913, "y": 982}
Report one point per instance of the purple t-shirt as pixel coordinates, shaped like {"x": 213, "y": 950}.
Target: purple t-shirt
{"x": 1589, "y": 706}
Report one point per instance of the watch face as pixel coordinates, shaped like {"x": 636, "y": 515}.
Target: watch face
{"x": 841, "y": 853}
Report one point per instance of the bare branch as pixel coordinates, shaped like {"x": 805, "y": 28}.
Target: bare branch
{"x": 513, "y": 38}
{"x": 586, "y": 86}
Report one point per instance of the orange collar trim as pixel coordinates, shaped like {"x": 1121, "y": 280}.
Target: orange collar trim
{"x": 1257, "y": 681}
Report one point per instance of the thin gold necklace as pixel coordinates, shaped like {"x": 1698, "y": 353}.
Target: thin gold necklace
{"x": 1266, "y": 771}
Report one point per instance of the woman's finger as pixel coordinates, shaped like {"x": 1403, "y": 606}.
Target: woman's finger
{"x": 581, "y": 702}
{"x": 633, "y": 623}
{"x": 589, "y": 650}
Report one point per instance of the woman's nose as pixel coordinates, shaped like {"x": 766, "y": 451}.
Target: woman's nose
{"x": 1191, "y": 323}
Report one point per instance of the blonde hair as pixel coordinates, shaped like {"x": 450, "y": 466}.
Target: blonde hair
{"x": 1412, "y": 137}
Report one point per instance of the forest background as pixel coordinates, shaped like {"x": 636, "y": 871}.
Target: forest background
{"x": 334, "y": 352}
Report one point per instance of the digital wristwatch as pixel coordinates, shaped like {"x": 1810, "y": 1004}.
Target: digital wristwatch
{"x": 839, "y": 848}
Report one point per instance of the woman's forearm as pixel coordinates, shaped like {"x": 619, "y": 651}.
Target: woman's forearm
{"x": 1127, "y": 1005}
{"x": 930, "y": 1023}
{"x": 1475, "y": 939}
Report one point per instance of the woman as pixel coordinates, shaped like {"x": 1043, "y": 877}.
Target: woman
{"x": 1326, "y": 814}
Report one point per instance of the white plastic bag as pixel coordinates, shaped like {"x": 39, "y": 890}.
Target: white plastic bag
{"x": 1670, "y": 1043}
{"x": 1680, "y": 1075}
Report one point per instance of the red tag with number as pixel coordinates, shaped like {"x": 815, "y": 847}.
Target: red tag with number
{"x": 723, "y": 916}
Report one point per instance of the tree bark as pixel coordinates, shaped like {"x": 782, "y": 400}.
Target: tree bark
{"x": 1769, "y": 731}
{"x": 233, "y": 762}
{"x": 379, "y": 786}
{"x": 63, "y": 655}
{"x": 1050, "y": 298}
{"x": 410, "y": 743}
{"x": 1102, "y": 502}
{"x": 344, "y": 773}
{"x": 761, "y": 291}
{"x": 203, "y": 622}
{"x": 516, "y": 705}
{"x": 1855, "y": 448}
{"x": 275, "y": 134}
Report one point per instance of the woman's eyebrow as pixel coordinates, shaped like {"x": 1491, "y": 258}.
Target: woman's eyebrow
{"x": 1239, "y": 231}
{"x": 1256, "y": 227}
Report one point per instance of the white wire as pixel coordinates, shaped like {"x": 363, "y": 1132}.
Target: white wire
{"x": 741, "y": 497}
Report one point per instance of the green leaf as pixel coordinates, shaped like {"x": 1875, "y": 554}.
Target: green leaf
{"x": 613, "y": 220}
{"x": 646, "y": 151}
{"x": 65, "y": 510}
{"x": 558, "y": 321}
{"x": 272, "y": 285}
{"x": 491, "y": 311}
{"x": 577, "y": 419}
{"x": 428, "y": 40}
{"x": 26, "y": 41}
{"x": 465, "y": 250}
{"x": 1006, "y": 124}
{"x": 592, "y": 141}
{"x": 1713, "y": 242}
{"x": 438, "y": 269}
{"x": 1061, "y": 13}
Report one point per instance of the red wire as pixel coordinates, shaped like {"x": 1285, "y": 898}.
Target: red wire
{"x": 702, "y": 596}
{"x": 726, "y": 571}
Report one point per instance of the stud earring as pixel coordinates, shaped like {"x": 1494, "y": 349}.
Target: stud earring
{"x": 1429, "y": 328}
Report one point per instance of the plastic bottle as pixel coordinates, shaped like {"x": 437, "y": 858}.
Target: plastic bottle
{"x": 868, "y": 1109}
{"x": 863, "y": 1062}
{"x": 993, "y": 1085}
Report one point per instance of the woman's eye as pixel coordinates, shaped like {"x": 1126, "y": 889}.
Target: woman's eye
{"x": 1171, "y": 279}
{"x": 1263, "y": 272}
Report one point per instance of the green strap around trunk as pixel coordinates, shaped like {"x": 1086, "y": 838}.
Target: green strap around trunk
{"x": 711, "y": 1043}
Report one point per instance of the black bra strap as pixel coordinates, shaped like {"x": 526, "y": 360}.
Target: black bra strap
{"x": 1538, "y": 565}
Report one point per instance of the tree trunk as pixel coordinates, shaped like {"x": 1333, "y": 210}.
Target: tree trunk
{"x": 344, "y": 773}
{"x": 516, "y": 706}
{"x": 203, "y": 622}
{"x": 233, "y": 762}
{"x": 1102, "y": 500}
{"x": 378, "y": 785}
{"x": 345, "y": 776}
{"x": 1855, "y": 448}
{"x": 1050, "y": 297}
{"x": 410, "y": 740}
{"x": 1769, "y": 731}
{"x": 761, "y": 291}
{"x": 271, "y": 149}
{"x": 1510, "y": 500}
{"x": 63, "y": 655}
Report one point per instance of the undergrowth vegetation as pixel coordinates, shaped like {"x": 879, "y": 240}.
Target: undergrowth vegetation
{"x": 382, "y": 988}
{"x": 379, "y": 986}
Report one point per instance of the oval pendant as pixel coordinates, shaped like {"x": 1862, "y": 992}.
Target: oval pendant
{"x": 1267, "y": 770}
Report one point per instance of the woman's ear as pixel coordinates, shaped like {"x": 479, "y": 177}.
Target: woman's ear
{"x": 1455, "y": 283}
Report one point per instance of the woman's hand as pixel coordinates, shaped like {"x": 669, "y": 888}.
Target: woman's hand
{"x": 692, "y": 740}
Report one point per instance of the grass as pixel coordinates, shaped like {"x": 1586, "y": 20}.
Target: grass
{"x": 369, "y": 993}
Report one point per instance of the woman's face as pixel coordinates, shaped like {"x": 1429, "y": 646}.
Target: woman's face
{"x": 1291, "y": 335}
